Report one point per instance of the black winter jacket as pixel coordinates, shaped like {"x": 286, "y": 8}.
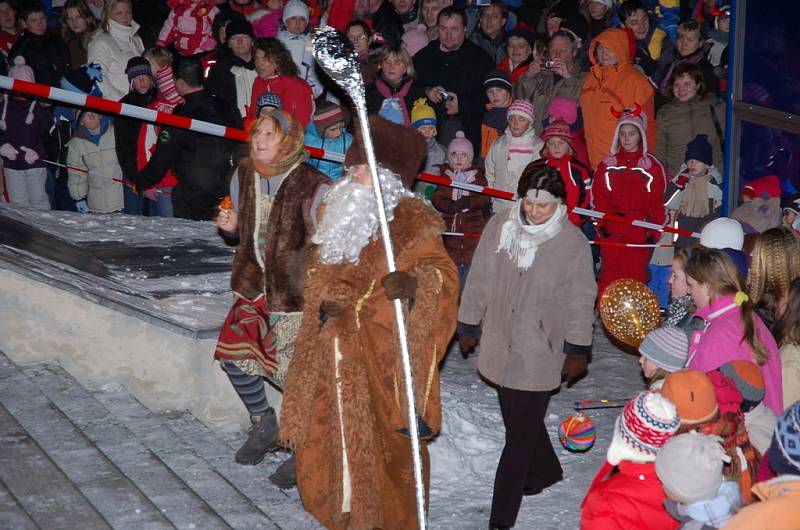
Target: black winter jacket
{"x": 201, "y": 162}
{"x": 47, "y": 55}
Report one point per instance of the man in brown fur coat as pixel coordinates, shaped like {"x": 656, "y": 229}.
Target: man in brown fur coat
{"x": 344, "y": 410}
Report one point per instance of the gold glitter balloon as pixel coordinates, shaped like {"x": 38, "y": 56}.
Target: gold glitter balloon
{"x": 629, "y": 311}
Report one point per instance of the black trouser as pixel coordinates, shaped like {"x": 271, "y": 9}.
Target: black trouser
{"x": 528, "y": 462}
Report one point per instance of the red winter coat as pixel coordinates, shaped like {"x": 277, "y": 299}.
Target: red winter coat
{"x": 296, "y": 96}
{"x": 636, "y": 193}
{"x": 576, "y": 179}
{"x": 628, "y": 497}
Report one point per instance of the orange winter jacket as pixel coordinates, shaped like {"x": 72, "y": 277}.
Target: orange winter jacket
{"x": 779, "y": 508}
{"x": 620, "y": 86}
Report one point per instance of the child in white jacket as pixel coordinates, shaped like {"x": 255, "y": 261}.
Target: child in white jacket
{"x": 298, "y": 42}
{"x": 512, "y": 152}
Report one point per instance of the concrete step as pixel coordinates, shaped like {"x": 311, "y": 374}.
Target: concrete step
{"x": 39, "y": 488}
{"x": 181, "y": 456}
{"x": 110, "y": 492}
{"x": 283, "y": 507}
{"x": 181, "y": 507}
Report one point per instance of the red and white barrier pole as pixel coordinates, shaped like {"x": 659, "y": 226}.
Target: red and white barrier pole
{"x": 108, "y": 106}
{"x": 502, "y": 194}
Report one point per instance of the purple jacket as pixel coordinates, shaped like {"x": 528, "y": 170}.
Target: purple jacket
{"x": 722, "y": 342}
{"x": 19, "y": 133}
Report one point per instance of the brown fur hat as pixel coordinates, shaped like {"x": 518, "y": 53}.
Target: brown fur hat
{"x": 398, "y": 148}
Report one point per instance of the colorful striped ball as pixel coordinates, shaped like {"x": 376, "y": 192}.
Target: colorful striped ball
{"x": 577, "y": 433}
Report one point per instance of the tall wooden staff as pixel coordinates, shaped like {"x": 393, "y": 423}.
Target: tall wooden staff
{"x": 340, "y": 61}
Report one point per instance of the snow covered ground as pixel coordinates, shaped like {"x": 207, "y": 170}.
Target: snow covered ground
{"x": 465, "y": 455}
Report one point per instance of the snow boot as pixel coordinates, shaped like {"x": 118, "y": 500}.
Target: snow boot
{"x": 261, "y": 438}
{"x": 285, "y": 477}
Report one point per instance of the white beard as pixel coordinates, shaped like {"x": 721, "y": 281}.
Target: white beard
{"x": 350, "y": 220}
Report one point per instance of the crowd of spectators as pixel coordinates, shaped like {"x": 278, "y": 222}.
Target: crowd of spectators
{"x": 605, "y": 104}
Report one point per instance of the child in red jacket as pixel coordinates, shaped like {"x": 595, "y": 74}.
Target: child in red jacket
{"x": 629, "y": 182}
{"x": 627, "y": 493}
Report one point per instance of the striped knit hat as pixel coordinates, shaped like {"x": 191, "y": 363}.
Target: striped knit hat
{"x": 749, "y": 381}
{"x": 557, "y": 129}
{"x": 522, "y": 107}
{"x": 667, "y": 348}
{"x": 327, "y": 115}
{"x": 646, "y": 423}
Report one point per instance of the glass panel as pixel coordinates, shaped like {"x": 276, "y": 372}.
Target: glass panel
{"x": 771, "y": 66}
{"x": 764, "y": 151}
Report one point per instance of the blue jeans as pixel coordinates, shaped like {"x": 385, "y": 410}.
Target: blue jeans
{"x": 163, "y": 206}
{"x": 134, "y": 203}
{"x": 659, "y": 282}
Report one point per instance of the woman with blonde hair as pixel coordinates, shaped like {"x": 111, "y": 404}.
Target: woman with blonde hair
{"x": 395, "y": 90}
{"x": 113, "y": 45}
{"x": 775, "y": 264}
{"x": 732, "y": 330}
{"x": 77, "y": 25}
{"x": 274, "y": 196}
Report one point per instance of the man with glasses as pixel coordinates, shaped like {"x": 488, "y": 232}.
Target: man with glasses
{"x": 452, "y": 71}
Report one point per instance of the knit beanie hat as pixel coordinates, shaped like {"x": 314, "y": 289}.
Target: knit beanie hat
{"x": 460, "y": 144}
{"x": 84, "y": 80}
{"x": 722, "y": 233}
{"x": 608, "y": 3}
{"x": 692, "y": 393}
{"x": 699, "y": 149}
{"x": 522, "y": 107}
{"x": 327, "y": 115}
{"x": 689, "y": 466}
{"x": 268, "y": 99}
{"x": 647, "y": 421}
{"x": 239, "y": 26}
{"x": 784, "y": 452}
{"x": 748, "y": 380}
{"x": 557, "y": 129}
{"x": 521, "y": 33}
{"x": 21, "y": 71}
{"x": 415, "y": 39}
{"x": 667, "y": 348}
{"x": 295, "y": 8}
{"x": 498, "y": 79}
{"x": 422, "y": 114}
{"x": 563, "y": 108}
{"x": 137, "y": 66}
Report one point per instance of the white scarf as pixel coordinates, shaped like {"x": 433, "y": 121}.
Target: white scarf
{"x": 521, "y": 240}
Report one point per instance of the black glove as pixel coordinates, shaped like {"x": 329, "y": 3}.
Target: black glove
{"x": 399, "y": 284}
{"x": 329, "y": 308}
{"x": 573, "y": 368}
{"x": 467, "y": 344}
{"x": 603, "y": 232}
{"x": 423, "y": 430}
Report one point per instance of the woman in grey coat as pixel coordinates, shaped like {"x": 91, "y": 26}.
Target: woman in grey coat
{"x": 530, "y": 298}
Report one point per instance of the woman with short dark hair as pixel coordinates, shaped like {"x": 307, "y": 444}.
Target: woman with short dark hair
{"x": 691, "y": 110}
{"x": 530, "y": 298}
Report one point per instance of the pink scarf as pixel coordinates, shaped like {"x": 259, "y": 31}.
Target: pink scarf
{"x": 400, "y": 95}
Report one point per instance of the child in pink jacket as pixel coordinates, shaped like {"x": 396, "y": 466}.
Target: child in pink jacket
{"x": 732, "y": 330}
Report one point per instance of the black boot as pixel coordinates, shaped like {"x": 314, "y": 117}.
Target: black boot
{"x": 261, "y": 438}
{"x": 498, "y": 527}
{"x": 285, "y": 477}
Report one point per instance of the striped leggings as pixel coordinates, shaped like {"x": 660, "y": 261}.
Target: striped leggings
{"x": 250, "y": 389}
